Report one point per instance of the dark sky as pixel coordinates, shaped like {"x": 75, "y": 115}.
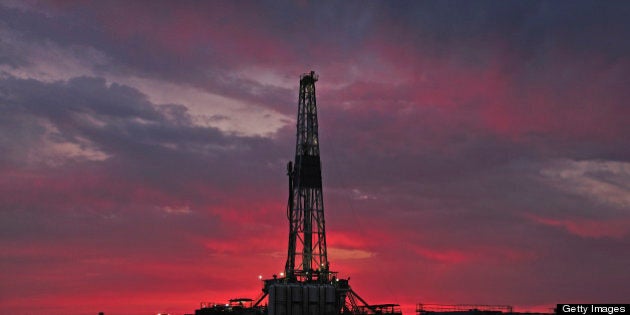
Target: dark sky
{"x": 473, "y": 152}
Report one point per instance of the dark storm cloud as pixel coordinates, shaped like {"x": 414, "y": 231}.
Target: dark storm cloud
{"x": 119, "y": 121}
{"x": 142, "y": 51}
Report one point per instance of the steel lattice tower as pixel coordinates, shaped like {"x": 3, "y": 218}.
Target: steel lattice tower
{"x": 308, "y": 287}
{"x": 307, "y": 258}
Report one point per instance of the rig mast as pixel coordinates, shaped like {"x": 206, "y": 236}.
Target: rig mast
{"x": 305, "y": 209}
{"x": 308, "y": 287}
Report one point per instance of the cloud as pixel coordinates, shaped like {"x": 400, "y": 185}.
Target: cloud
{"x": 177, "y": 210}
{"x": 54, "y": 149}
{"x": 346, "y": 254}
{"x": 607, "y": 182}
{"x": 589, "y": 228}
{"x": 49, "y": 62}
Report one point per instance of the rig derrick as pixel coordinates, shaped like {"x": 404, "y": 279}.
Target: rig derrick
{"x": 308, "y": 286}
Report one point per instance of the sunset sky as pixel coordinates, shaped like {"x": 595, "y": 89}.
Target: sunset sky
{"x": 473, "y": 152}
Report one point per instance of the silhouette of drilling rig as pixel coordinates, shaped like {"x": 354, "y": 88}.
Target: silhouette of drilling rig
{"x": 308, "y": 286}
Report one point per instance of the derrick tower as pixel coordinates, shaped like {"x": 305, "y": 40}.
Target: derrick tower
{"x": 308, "y": 287}
{"x": 306, "y": 259}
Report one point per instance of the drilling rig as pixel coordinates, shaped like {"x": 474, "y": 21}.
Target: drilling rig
{"x": 308, "y": 286}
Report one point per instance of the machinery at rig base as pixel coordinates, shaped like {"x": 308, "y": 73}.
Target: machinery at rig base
{"x": 308, "y": 287}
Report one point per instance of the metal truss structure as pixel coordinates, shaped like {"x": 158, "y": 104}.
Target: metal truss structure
{"x": 307, "y": 258}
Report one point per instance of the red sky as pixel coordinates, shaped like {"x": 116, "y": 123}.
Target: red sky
{"x": 473, "y": 153}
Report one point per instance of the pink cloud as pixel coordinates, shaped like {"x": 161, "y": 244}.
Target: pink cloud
{"x": 587, "y": 228}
